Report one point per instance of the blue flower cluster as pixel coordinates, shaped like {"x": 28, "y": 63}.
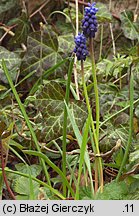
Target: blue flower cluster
{"x": 80, "y": 47}
{"x": 89, "y": 23}
{"x": 89, "y": 28}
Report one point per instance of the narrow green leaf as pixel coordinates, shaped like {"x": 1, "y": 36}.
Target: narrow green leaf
{"x": 35, "y": 179}
{"x": 17, "y": 154}
{"x": 80, "y": 138}
{"x": 51, "y": 164}
{"x": 65, "y": 122}
{"x": 45, "y": 75}
{"x": 82, "y": 154}
{"x": 31, "y": 186}
{"x": 25, "y": 117}
{"x": 131, "y": 101}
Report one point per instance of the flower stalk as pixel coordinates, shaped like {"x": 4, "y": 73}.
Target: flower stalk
{"x": 89, "y": 28}
{"x": 98, "y": 160}
{"x": 95, "y": 86}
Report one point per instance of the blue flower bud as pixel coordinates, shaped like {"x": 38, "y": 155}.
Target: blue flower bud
{"x": 86, "y": 18}
{"x": 89, "y": 23}
{"x": 80, "y": 47}
{"x": 92, "y": 27}
{"x": 86, "y": 24}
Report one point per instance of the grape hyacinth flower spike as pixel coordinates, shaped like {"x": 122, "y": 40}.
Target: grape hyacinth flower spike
{"x": 89, "y": 23}
{"x": 80, "y": 47}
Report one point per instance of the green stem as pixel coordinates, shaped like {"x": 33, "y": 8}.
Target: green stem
{"x": 65, "y": 124}
{"x": 130, "y": 128}
{"x": 98, "y": 161}
{"x": 96, "y": 147}
{"x": 95, "y": 87}
{"x": 88, "y": 106}
{"x": 120, "y": 111}
{"x": 120, "y": 80}
{"x": 82, "y": 156}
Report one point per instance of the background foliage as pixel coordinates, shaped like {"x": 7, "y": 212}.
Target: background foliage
{"x": 36, "y": 43}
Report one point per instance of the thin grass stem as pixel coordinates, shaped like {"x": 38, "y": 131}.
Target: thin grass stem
{"x": 98, "y": 161}
{"x": 95, "y": 86}
{"x": 131, "y": 99}
{"x": 65, "y": 123}
{"x": 22, "y": 108}
{"x": 96, "y": 147}
{"x": 36, "y": 180}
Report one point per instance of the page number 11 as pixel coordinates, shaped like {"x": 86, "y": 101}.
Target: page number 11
{"x": 128, "y": 208}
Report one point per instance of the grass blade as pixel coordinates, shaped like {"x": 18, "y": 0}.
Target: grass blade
{"x": 130, "y": 127}
{"x": 51, "y": 164}
{"x": 82, "y": 154}
{"x": 25, "y": 117}
{"x": 79, "y": 138}
{"x": 45, "y": 75}
{"x": 65, "y": 122}
{"x": 17, "y": 154}
{"x": 31, "y": 187}
{"x": 37, "y": 180}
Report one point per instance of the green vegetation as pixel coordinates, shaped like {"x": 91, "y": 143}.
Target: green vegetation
{"x": 69, "y": 122}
